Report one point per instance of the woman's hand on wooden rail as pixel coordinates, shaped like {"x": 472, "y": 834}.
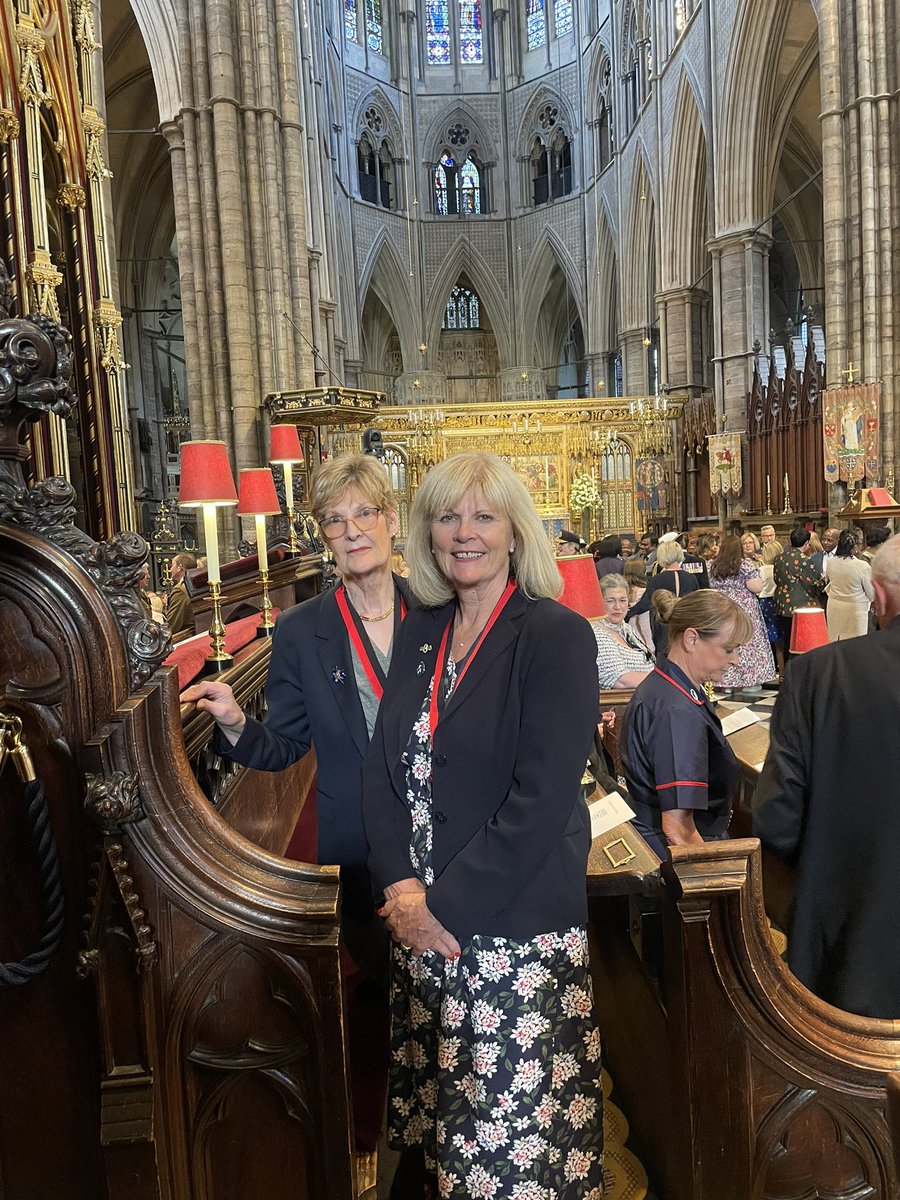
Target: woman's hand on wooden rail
{"x": 218, "y": 700}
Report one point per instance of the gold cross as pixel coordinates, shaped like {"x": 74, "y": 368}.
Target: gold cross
{"x": 849, "y": 373}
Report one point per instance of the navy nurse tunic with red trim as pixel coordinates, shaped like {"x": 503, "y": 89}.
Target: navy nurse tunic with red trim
{"x": 675, "y": 756}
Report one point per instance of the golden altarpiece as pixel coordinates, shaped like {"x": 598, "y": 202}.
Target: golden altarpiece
{"x": 594, "y": 464}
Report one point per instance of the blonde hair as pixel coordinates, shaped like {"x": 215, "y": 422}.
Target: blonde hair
{"x": 770, "y": 552}
{"x": 708, "y": 611}
{"x": 532, "y": 561}
{"x": 815, "y": 542}
{"x": 748, "y": 533}
{"x": 338, "y": 475}
{"x": 668, "y": 553}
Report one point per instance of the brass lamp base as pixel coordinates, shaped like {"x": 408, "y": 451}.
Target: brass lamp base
{"x": 218, "y": 659}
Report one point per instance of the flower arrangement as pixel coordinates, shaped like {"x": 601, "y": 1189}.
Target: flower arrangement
{"x": 584, "y": 494}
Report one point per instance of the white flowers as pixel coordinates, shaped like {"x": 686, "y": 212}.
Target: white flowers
{"x": 581, "y": 1110}
{"x": 529, "y": 1027}
{"x": 486, "y": 1018}
{"x": 494, "y": 964}
{"x": 529, "y": 978}
{"x": 484, "y": 1058}
{"x": 481, "y": 1184}
{"x": 576, "y": 1001}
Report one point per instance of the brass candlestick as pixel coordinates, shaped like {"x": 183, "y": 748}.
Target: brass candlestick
{"x": 787, "y": 498}
{"x": 218, "y": 659}
{"x": 768, "y": 512}
{"x": 289, "y": 506}
{"x": 266, "y": 627}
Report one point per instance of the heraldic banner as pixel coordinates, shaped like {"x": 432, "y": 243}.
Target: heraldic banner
{"x": 851, "y": 429}
{"x": 725, "y": 464}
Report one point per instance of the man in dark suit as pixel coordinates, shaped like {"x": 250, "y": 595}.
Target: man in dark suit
{"x": 832, "y": 812}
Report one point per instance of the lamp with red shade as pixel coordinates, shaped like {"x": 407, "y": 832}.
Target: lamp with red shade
{"x": 257, "y": 498}
{"x": 207, "y": 483}
{"x": 286, "y": 450}
{"x": 581, "y": 587}
{"x": 808, "y": 630}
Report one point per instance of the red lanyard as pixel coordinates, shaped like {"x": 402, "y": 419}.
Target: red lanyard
{"x": 433, "y": 714}
{"x": 676, "y": 684}
{"x": 358, "y": 644}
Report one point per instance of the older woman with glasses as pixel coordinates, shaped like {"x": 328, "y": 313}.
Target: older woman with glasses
{"x": 623, "y": 659}
{"x": 330, "y": 659}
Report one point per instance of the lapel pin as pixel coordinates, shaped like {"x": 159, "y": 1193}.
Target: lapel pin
{"x": 338, "y": 675}
{"x": 420, "y": 669}
{"x": 425, "y": 647}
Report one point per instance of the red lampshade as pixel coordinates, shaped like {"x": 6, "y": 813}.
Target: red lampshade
{"x": 808, "y": 630}
{"x": 286, "y": 446}
{"x": 581, "y": 587}
{"x": 257, "y": 496}
{"x": 205, "y": 475}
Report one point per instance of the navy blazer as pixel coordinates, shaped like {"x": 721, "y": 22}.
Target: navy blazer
{"x": 312, "y": 699}
{"x": 511, "y": 832}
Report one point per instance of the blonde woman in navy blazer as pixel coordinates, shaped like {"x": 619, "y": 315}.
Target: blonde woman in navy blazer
{"x": 479, "y": 837}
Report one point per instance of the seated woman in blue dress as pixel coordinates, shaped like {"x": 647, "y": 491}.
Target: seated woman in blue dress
{"x": 680, "y": 770}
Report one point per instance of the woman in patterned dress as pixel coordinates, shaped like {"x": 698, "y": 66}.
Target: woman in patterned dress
{"x": 479, "y": 837}
{"x": 739, "y": 579}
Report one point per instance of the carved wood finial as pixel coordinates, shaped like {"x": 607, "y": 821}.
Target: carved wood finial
{"x": 35, "y": 376}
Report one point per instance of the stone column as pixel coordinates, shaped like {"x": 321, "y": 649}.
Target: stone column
{"x": 741, "y": 302}
{"x": 681, "y": 350}
{"x": 860, "y": 168}
{"x": 635, "y": 373}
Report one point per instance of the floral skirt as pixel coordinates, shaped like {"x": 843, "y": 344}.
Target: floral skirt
{"x": 495, "y": 1068}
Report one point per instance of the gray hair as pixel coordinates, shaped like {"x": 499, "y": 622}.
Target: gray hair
{"x": 532, "y": 561}
{"x": 612, "y": 583}
{"x": 360, "y": 472}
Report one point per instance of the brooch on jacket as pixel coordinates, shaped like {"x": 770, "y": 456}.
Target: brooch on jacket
{"x": 338, "y": 675}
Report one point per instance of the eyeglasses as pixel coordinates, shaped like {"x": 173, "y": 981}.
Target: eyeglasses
{"x": 335, "y": 527}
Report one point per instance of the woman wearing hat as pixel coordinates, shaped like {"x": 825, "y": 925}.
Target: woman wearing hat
{"x": 569, "y": 543}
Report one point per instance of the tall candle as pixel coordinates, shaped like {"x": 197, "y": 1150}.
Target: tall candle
{"x": 768, "y": 484}
{"x": 288, "y": 485}
{"x": 261, "y": 548}
{"x": 211, "y": 534}
{"x": 786, "y": 488}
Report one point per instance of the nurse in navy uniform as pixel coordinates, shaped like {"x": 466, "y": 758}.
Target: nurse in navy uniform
{"x": 680, "y": 770}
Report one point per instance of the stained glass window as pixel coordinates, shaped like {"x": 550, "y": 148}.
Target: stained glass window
{"x": 437, "y": 29}
{"x": 445, "y": 186}
{"x": 470, "y": 187}
{"x": 471, "y": 45}
{"x": 462, "y": 310}
{"x": 351, "y": 23}
{"x": 373, "y": 25}
{"x": 562, "y": 17}
{"x": 536, "y": 24}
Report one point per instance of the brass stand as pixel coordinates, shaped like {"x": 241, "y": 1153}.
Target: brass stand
{"x": 219, "y": 659}
{"x": 787, "y": 499}
{"x": 266, "y": 627}
{"x": 292, "y": 532}
{"x": 768, "y": 512}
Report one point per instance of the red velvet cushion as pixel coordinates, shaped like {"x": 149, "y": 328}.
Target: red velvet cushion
{"x": 190, "y": 655}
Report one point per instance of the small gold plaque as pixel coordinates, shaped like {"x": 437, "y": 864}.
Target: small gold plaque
{"x": 625, "y": 858}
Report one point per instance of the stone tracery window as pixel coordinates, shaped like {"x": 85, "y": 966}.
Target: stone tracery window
{"x": 537, "y": 20}
{"x": 638, "y": 60}
{"x": 369, "y": 13}
{"x": 551, "y": 157}
{"x": 458, "y": 187}
{"x": 536, "y": 24}
{"x": 605, "y": 143}
{"x": 463, "y": 310}
{"x": 563, "y": 18}
{"x": 454, "y": 23}
{"x": 375, "y": 162}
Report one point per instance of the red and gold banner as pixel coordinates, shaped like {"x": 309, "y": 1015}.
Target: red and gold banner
{"x": 851, "y": 431}
{"x": 725, "y": 464}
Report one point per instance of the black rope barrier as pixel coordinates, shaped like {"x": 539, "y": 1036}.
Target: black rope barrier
{"x": 12, "y": 974}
